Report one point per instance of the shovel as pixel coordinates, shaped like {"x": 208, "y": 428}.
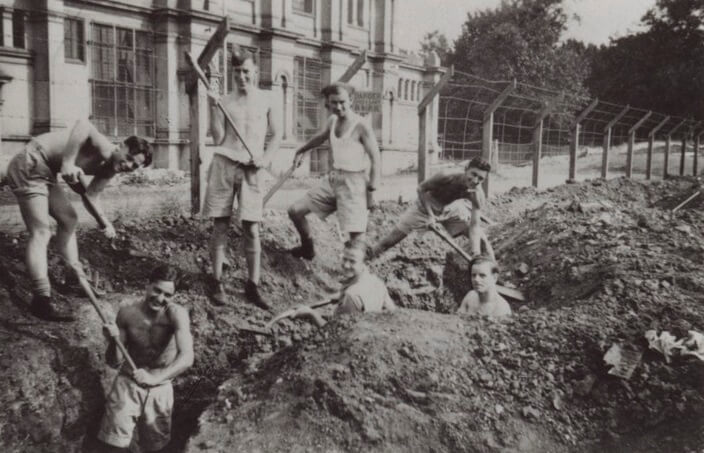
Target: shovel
{"x": 332, "y": 299}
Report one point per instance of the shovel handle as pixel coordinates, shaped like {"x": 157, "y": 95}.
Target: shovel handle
{"x": 279, "y": 183}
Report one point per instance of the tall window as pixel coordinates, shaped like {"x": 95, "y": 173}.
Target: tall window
{"x": 307, "y": 84}
{"x": 74, "y": 48}
{"x": 122, "y": 68}
{"x": 18, "y": 29}
{"x": 360, "y": 13}
{"x": 303, "y": 6}
{"x": 355, "y": 12}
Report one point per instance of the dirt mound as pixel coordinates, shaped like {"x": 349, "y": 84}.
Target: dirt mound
{"x": 598, "y": 269}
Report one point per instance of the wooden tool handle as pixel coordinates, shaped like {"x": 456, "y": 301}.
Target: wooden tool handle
{"x": 279, "y": 183}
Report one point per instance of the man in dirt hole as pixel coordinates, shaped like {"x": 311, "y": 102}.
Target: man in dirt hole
{"x": 346, "y": 189}
{"x": 233, "y": 173}
{"x": 484, "y": 299}
{"x": 455, "y": 198}
{"x": 363, "y": 292}
{"x": 32, "y": 176}
{"x": 157, "y": 334}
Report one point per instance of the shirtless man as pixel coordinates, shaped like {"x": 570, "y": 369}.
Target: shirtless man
{"x": 32, "y": 175}
{"x": 346, "y": 189}
{"x": 157, "y": 335}
{"x": 363, "y": 292}
{"x": 456, "y": 198}
{"x": 483, "y": 299}
{"x": 233, "y": 173}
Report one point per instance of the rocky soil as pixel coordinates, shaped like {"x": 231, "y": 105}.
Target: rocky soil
{"x": 600, "y": 262}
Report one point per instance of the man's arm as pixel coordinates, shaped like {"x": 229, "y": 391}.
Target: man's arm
{"x": 372, "y": 149}
{"x": 425, "y": 189}
{"x": 113, "y": 356}
{"x": 82, "y": 131}
{"x": 217, "y": 120}
{"x": 92, "y": 200}
{"x": 475, "y": 234}
{"x": 184, "y": 345}
{"x": 274, "y": 120}
{"x": 315, "y": 141}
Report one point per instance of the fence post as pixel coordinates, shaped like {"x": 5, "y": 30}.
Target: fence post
{"x": 574, "y": 139}
{"x": 668, "y": 145}
{"x": 423, "y": 121}
{"x": 631, "y": 143}
{"x": 607, "y": 141}
{"x": 695, "y": 163}
{"x": 683, "y": 150}
{"x": 198, "y": 113}
{"x": 538, "y": 135}
{"x": 488, "y": 126}
{"x": 651, "y": 143}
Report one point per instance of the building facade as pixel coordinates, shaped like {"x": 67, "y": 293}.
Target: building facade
{"x": 122, "y": 64}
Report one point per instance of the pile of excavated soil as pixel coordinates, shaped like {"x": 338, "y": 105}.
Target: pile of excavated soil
{"x": 600, "y": 264}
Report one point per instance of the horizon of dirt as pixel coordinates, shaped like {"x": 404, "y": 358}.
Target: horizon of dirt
{"x": 414, "y": 378}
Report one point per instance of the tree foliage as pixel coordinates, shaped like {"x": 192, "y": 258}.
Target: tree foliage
{"x": 521, "y": 40}
{"x": 660, "y": 68}
{"x": 436, "y": 41}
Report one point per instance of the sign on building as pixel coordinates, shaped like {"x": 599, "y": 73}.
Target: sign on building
{"x": 367, "y": 102}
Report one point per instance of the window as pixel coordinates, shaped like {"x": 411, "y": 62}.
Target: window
{"x": 307, "y": 84}
{"x": 18, "y": 29}
{"x": 355, "y": 12}
{"x": 399, "y": 91}
{"x": 413, "y": 90}
{"x": 303, "y": 6}
{"x": 405, "y": 90}
{"x": 418, "y": 91}
{"x": 73, "y": 40}
{"x": 122, "y": 70}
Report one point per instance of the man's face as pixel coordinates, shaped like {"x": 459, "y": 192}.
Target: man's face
{"x": 244, "y": 75}
{"x": 159, "y": 294}
{"x": 475, "y": 177}
{"x": 352, "y": 265}
{"x": 124, "y": 162}
{"x": 483, "y": 280}
{"x": 340, "y": 103}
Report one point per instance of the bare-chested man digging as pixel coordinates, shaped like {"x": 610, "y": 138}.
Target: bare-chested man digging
{"x": 234, "y": 173}
{"x": 157, "y": 335}
{"x": 32, "y": 175}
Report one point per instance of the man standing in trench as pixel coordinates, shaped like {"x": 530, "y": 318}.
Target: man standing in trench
{"x": 233, "y": 172}
{"x": 157, "y": 335}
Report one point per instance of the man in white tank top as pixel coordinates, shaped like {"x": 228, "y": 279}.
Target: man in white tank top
{"x": 233, "y": 173}
{"x": 346, "y": 189}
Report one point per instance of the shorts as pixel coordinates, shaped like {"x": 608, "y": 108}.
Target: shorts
{"x": 147, "y": 408}
{"x": 227, "y": 179}
{"x": 456, "y": 217}
{"x": 344, "y": 192}
{"x": 28, "y": 173}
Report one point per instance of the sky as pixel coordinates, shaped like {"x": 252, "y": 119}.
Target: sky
{"x": 599, "y": 19}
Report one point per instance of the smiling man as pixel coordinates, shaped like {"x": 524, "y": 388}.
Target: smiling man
{"x": 32, "y": 175}
{"x": 483, "y": 299}
{"x": 363, "y": 292}
{"x": 346, "y": 190}
{"x": 234, "y": 173}
{"x": 157, "y": 335}
{"x": 456, "y": 198}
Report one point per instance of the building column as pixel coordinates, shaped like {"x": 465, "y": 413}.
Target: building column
{"x": 4, "y": 78}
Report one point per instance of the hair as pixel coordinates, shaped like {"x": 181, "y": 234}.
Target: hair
{"x": 239, "y": 55}
{"x": 480, "y": 259}
{"x": 164, "y": 273}
{"x": 337, "y": 88}
{"x": 478, "y": 162}
{"x": 356, "y": 245}
{"x": 137, "y": 145}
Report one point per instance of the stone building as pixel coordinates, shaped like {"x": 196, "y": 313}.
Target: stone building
{"x": 122, "y": 64}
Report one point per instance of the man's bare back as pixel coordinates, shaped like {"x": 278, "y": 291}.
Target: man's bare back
{"x": 93, "y": 150}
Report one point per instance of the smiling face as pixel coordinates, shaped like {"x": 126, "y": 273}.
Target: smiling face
{"x": 352, "y": 265}
{"x": 244, "y": 75}
{"x": 483, "y": 279}
{"x": 159, "y": 294}
{"x": 475, "y": 177}
{"x": 124, "y": 162}
{"x": 339, "y": 103}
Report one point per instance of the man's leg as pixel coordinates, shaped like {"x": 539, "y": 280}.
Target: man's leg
{"x": 66, "y": 220}
{"x": 35, "y": 213}
{"x": 253, "y": 252}
{"x": 394, "y": 237}
{"x": 297, "y": 212}
{"x": 218, "y": 244}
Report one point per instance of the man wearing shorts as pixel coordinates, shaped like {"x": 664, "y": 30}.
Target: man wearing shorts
{"x": 346, "y": 189}
{"x": 157, "y": 335}
{"x": 234, "y": 173}
{"x": 32, "y": 175}
{"x": 455, "y": 197}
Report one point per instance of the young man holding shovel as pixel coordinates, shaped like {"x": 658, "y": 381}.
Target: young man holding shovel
{"x": 32, "y": 175}
{"x": 346, "y": 188}
{"x": 456, "y": 198}
{"x": 156, "y": 333}
{"x": 235, "y": 171}
{"x": 363, "y": 292}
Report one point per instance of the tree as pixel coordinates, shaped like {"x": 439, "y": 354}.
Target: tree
{"x": 435, "y": 41}
{"x": 521, "y": 40}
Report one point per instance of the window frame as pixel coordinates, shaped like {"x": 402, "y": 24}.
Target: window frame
{"x": 70, "y": 42}
{"x": 22, "y": 34}
{"x": 303, "y": 11}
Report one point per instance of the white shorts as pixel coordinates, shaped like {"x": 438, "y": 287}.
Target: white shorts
{"x": 344, "y": 192}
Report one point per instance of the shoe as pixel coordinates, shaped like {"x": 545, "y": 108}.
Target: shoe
{"x": 305, "y": 250}
{"x": 218, "y": 296}
{"x": 251, "y": 292}
{"x": 42, "y": 308}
